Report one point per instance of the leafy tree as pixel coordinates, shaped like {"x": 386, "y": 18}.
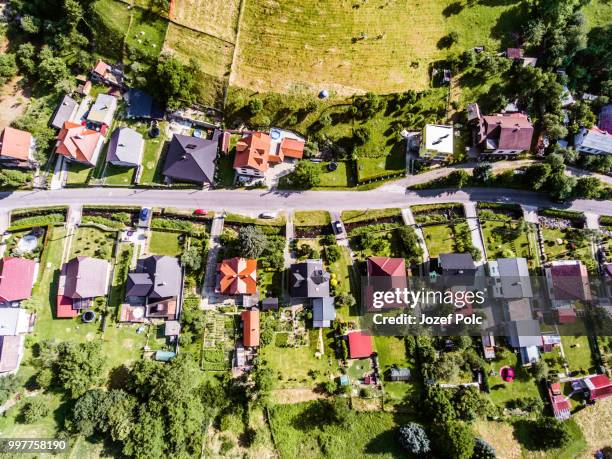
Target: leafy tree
{"x": 455, "y": 440}
{"x": 74, "y": 13}
{"x": 79, "y": 366}
{"x": 30, "y": 24}
{"x": 536, "y": 175}
{"x": 252, "y": 241}
{"x": 8, "y": 67}
{"x": 255, "y": 105}
{"x": 581, "y": 115}
{"x": 342, "y": 414}
{"x": 469, "y": 404}
{"x": 483, "y": 450}
{"x": 90, "y": 412}
{"x": 53, "y": 73}
{"x": 458, "y": 179}
{"x": 362, "y": 134}
{"x": 369, "y": 104}
{"x": 192, "y": 259}
{"x": 437, "y": 406}
{"x": 561, "y": 186}
{"x": 44, "y": 378}
{"x": 176, "y": 81}
{"x": 306, "y": 174}
{"x": 12, "y": 178}
{"x": 345, "y": 300}
{"x": 553, "y": 123}
{"x": 34, "y": 410}
{"x": 550, "y": 432}
{"x": 147, "y": 437}
{"x": 264, "y": 380}
{"x": 556, "y": 163}
{"x": 588, "y": 187}
{"x": 483, "y": 173}
{"x": 414, "y": 439}
{"x": 8, "y": 385}
{"x": 333, "y": 253}
{"x": 540, "y": 370}
{"x": 411, "y": 243}
{"x": 25, "y": 58}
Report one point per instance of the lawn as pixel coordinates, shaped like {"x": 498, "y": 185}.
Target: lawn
{"x": 311, "y": 218}
{"x": 225, "y": 173}
{"x": 342, "y": 177}
{"x": 391, "y": 352}
{"x": 117, "y": 175}
{"x": 214, "y": 17}
{"x": 572, "y": 246}
{"x": 502, "y": 242}
{"x": 151, "y": 166}
{"x": 523, "y": 385}
{"x": 299, "y": 432}
{"x": 165, "y": 243}
{"x": 355, "y": 216}
{"x": 92, "y": 242}
{"x": 439, "y": 239}
{"x": 373, "y": 167}
{"x": 346, "y": 46}
{"x": 146, "y": 33}
{"x": 78, "y": 174}
{"x": 578, "y": 353}
{"x": 269, "y": 283}
{"x": 348, "y": 282}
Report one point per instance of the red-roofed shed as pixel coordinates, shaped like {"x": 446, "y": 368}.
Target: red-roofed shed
{"x": 599, "y": 386}
{"x": 360, "y": 345}
{"x": 565, "y": 315}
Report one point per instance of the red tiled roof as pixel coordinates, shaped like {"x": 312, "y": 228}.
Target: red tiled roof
{"x": 570, "y": 282}
{"x": 600, "y": 386}
{"x": 15, "y": 144}
{"x": 238, "y": 276}
{"x": 101, "y": 68}
{"x": 385, "y": 266}
{"x": 77, "y": 142}
{"x": 512, "y": 131}
{"x": 360, "y": 345}
{"x": 250, "y": 328}
{"x": 63, "y": 308}
{"x": 16, "y": 278}
{"x": 253, "y": 151}
{"x": 292, "y": 148}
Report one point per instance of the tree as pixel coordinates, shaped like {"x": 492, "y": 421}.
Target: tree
{"x": 25, "y": 58}
{"x": 469, "y": 404}
{"x": 437, "y": 406}
{"x": 191, "y": 259}
{"x": 8, "y": 67}
{"x": 30, "y": 24}
{"x": 550, "y": 432}
{"x": 536, "y": 175}
{"x": 561, "y": 186}
{"x": 345, "y": 300}
{"x": 252, "y": 241}
{"x": 263, "y": 379}
{"x": 483, "y": 450}
{"x": 79, "y": 366}
{"x": 333, "y": 253}
{"x": 414, "y": 439}
{"x": 540, "y": 370}
{"x": 588, "y": 187}
{"x": 458, "y": 179}
{"x": 176, "y": 81}
{"x": 8, "y": 385}
{"x": 556, "y": 163}
{"x": 52, "y": 70}
{"x": 411, "y": 243}
{"x": 44, "y": 378}
{"x": 34, "y": 410}
{"x": 553, "y": 124}
{"x": 74, "y": 13}
{"x": 483, "y": 173}
{"x": 306, "y": 174}
{"x": 455, "y": 440}
{"x": 342, "y": 414}
{"x": 255, "y": 105}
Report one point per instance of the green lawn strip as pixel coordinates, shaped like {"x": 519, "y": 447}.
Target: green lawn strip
{"x": 165, "y": 243}
{"x": 225, "y": 173}
{"x": 89, "y": 241}
{"x": 522, "y": 386}
{"x": 269, "y": 283}
{"x": 391, "y": 352}
{"x": 349, "y": 281}
{"x": 311, "y": 218}
{"x": 439, "y": 239}
{"x": 118, "y": 175}
{"x": 78, "y": 174}
{"x": 280, "y": 220}
{"x": 343, "y": 176}
{"x": 578, "y": 353}
{"x": 500, "y": 241}
{"x": 151, "y": 158}
{"x": 355, "y": 216}
{"x": 393, "y": 163}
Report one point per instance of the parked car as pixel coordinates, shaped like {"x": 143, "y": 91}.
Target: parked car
{"x": 144, "y": 213}
{"x": 268, "y": 215}
{"x": 200, "y": 212}
{"x": 338, "y": 227}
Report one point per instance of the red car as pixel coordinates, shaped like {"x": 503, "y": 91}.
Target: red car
{"x": 200, "y": 212}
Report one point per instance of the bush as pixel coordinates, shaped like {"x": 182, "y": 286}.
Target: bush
{"x": 549, "y": 432}
{"x": 414, "y": 439}
{"x": 333, "y": 253}
{"x": 34, "y": 410}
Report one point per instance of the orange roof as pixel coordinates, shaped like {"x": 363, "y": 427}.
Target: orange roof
{"x": 238, "y": 276}
{"x": 250, "y": 328}
{"x": 101, "y": 68}
{"x": 292, "y": 148}
{"x": 77, "y": 142}
{"x": 253, "y": 151}
{"x": 15, "y": 144}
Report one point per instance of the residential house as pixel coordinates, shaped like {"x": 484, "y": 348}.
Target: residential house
{"x": 237, "y": 276}
{"x": 191, "y": 159}
{"x": 516, "y": 54}
{"x": 107, "y": 74}
{"x": 323, "y": 312}
{"x": 507, "y": 134}
{"x": 14, "y": 324}
{"x": 154, "y": 289}
{"x": 17, "y": 148}
{"x": 250, "y": 328}
{"x": 487, "y": 341}
{"x": 257, "y": 151}
{"x": 102, "y": 111}
{"x": 308, "y": 279}
{"x": 598, "y": 387}
{"x": 511, "y": 277}
{"x": 125, "y": 148}
{"x": 605, "y": 119}
{"x": 568, "y": 282}
{"x": 141, "y": 105}
{"x": 16, "y": 279}
{"x": 522, "y": 330}
{"x": 360, "y": 345}
{"x": 81, "y": 280}
{"x": 457, "y": 264}
{"x": 593, "y": 141}
{"x": 65, "y": 111}
{"x": 384, "y": 274}
{"x": 560, "y": 404}
{"x": 438, "y": 144}
{"x": 77, "y": 143}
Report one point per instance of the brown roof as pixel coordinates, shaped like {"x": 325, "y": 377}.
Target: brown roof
{"x": 292, "y": 148}
{"x": 511, "y": 131}
{"x": 514, "y": 53}
{"x": 253, "y": 151}
{"x": 86, "y": 277}
{"x": 250, "y": 328}
{"x": 570, "y": 281}
{"x": 238, "y": 276}
{"x": 77, "y": 142}
{"x": 101, "y": 68}
{"x": 15, "y": 144}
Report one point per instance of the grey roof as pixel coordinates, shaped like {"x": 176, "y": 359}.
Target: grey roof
{"x": 400, "y": 372}
{"x": 64, "y": 112}
{"x": 524, "y": 333}
{"x": 9, "y": 320}
{"x": 309, "y": 280}
{"x": 323, "y": 309}
{"x": 599, "y": 141}
{"x": 269, "y": 303}
{"x": 191, "y": 159}
{"x": 514, "y": 277}
{"x": 86, "y": 277}
{"x": 103, "y": 109}
{"x": 138, "y": 284}
{"x": 166, "y": 274}
{"x": 126, "y": 145}
{"x": 454, "y": 261}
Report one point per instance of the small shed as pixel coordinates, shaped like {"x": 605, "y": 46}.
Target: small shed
{"x": 344, "y": 380}
{"x": 164, "y": 356}
{"x": 269, "y": 304}
{"x": 400, "y": 374}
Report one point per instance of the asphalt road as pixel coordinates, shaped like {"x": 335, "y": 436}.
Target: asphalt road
{"x": 255, "y": 201}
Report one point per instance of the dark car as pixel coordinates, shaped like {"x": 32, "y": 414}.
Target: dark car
{"x": 338, "y": 227}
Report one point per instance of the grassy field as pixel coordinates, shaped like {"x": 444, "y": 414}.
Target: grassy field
{"x": 570, "y": 247}
{"x": 392, "y": 353}
{"x": 151, "y": 164}
{"x": 341, "y": 45}
{"x": 355, "y": 216}
{"x": 78, "y": 174}
{"x": 165, "y": 243}
{"x": 213, "y": 17}
{"x": 146, "y": 33}
{"x": 342, "y": 177}
{"x": 439, "y": 239}
{"x": 500, "y": 242}
{"x": 522, "y": 386}
{"x": 117, "y": 175}
{"x": 92, "y": 242}
{"x": 311, "y": 218}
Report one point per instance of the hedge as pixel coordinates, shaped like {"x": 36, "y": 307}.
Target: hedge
{"x": 567, "y": 214}
{"x": 107, "y": 222}
{"x": 37, "y": 220}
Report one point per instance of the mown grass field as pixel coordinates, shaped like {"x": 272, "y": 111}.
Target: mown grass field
{"x": 214, "y": 17}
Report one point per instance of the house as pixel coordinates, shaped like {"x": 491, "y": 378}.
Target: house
{"x": 156, "y": 286}
{"x": 457, "y": 264}
{"x": 399, "y": 374}
{"x": 514, "y": 53}
{"x": 522, "y": 330}
{"x": 16, "y": 279}
{"x": 17, "y": 148}
{"x": 84, "y": 88}
{"x": 511, "y": 277}
{"x": 107, "y": 74}
{"x": 560, "y": 405}
{"x": 237, "y": 276}
{"x": 384, "y": 274}
{"x": 567, "y": 281}
{"x": 250, "y": 328}
{"x": 605, "y": 119}
{"x": 14, "y": 324}
{"x": 323, "y": 312}
{"x": 102, "y": 111}
{"x": 77, "y": 143}
{"x": 65, "y": 111}
{"x": 598, "y": 387}
{"x": 506, "y": 134}
{"x": 257, "y": 151}
{"x": 191, "y": 159}
{"x": 593, "y": 141}
{"x": 141, "y": 105}
{"x": 125, "y": 148}
{"x": 308, "y": 279}
{"x": 360, "y": 345}
{"x": 437, "y": 143}
{"x": 81, "y": 280}
{"x": 565, "y": 316}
